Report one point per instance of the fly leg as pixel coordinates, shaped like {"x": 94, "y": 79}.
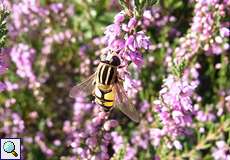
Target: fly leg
{"x": 93, "y": 92}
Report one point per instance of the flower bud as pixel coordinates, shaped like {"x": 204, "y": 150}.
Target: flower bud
{"x": 224, "y": 32}
{"x": 132, "y": 23}
{"x": 120, "y": 17}
{"x": 110, "y": 124}
{"x": 91, "y": 142}
{"x": 177, "y": 144}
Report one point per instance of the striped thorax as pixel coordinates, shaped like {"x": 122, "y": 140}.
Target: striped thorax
{"x": 106, "y": 74}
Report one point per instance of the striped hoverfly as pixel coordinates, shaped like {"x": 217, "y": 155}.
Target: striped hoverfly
{"x": 107, "y": 87}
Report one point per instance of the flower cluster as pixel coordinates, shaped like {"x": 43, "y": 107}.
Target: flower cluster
{"x": 53, "y": 38}
{"x": 205, "y": 23}
{"x": 12, "y": 124}
{"x": 175, "y": 107}
{"x": 123, "y": 38}
{"x": 221, "y": 151}
{"x": 22, "y": 55}
{"x": 26, "y": 19}
{"x": 154, "y": 17}
{"x": 44, "y": 148}
{"x": 92, "y": 141}
{"x": 4, "y": 59}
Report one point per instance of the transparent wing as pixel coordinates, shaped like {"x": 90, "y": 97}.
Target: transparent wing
{"x": 86, "y": 86}
{"x": 124, "y": 104}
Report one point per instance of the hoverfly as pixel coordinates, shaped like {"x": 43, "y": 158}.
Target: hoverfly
{"x": 107, "y": 87}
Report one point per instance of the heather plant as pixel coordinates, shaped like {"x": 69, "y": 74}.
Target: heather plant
{"x": 175, "y": 58}
{"x": 3, "y": 31}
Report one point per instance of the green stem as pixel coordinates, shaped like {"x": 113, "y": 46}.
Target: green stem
{"x": 201, "y": 144}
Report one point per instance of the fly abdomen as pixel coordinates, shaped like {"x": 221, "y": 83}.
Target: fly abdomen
{"x": 106, "y": 105}
{"x": 104, "y": 98}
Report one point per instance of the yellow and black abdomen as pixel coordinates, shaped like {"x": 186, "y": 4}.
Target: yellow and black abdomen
{"x": 105, "y": 98}
{"x": 105, "y": 79}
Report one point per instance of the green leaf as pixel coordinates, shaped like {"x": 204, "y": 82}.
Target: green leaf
{"x": 123, "y": 4}
{"x": 205, "y": 146}
{"x": 119, "y": 155}
{"x": 151, "y": 2}
{"x": 3, "y": 29}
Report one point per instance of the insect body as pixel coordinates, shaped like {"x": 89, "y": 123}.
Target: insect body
{"x": 107, "y": 87}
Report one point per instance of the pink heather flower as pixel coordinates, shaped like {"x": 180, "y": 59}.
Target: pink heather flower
{"x": 224, "y": 32}
{"x": 117, "y": 45}
{"x": 12, "y": 124}
{"x": 138, "y": 41}
{"x": 156, "y": 158}
{"x": 91, "y": 142}
{"x": 120, "y": 17}
{"x": 125, "y": 27}
{"x": 110, "y": 124}
{"x": 155, "y": 135}
{"x": 203, "y": 25}
{"x": 10, "y": 102}
{"x": 56, "y": 7}
{"x": 141, "y": 139}
{"x": 142, "y": 40}
{"x": 175, "y": 107}
{"x": 57, "y": 142}
{"x": 204, "y": 30}
{"x": 155, "y": 18}
{"x": 204, "y": 117}
{"x": 44, "y": 148}
{"x": 33, "y": 115}
{"x": 177, "y": 145}
{"x": 131, "y": 85}
{"x": 111, "y": 32}
{"x": 4, "y": 62}
{"x": 91, "y": 134}
{"x": 137, "y": 58}
{"x": 11, "y": 86}
{"x": 144, "y": 106}
{"x": 2, "y": 86}
{"x": 132, "y": 23}
{"x": 221, "y": 151}
{"x": 118, "y": 142}
{"x": 130, "y": 153}
{"x": 130, "y": 43}
{"x": 127, "y": 44}
{"x": 26, "y": 15}
{"x": 147, "y": 14}
{"x": 22, "y": 55}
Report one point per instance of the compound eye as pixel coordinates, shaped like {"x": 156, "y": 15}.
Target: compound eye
{"x": 115, "y": 61}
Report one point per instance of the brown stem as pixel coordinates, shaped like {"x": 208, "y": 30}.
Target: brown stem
{"x": 129, "y": 9}
{"x": 128, "y": 4}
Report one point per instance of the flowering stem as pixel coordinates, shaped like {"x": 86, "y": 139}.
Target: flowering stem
{"x": 3, "y": 30}
{"x": 128, "y": 4}
{"x": 203, "y": 144}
